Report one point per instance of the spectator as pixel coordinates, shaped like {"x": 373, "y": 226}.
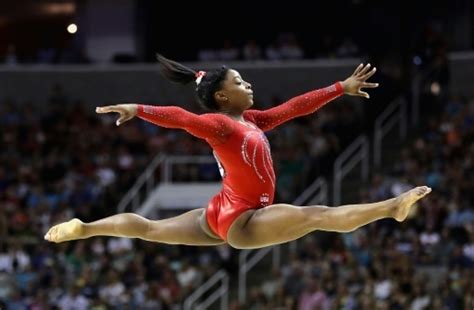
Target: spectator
{"x": 251, "y": 51}
{"x": 11, "y": 57}
{"x": 228, "y": 52}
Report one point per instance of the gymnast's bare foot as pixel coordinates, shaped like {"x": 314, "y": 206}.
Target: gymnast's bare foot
{"x": 66, "y": 231}
{"x": 404, "y": 201}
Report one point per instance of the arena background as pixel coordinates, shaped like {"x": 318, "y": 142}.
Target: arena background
{"x": 61, "y": 160}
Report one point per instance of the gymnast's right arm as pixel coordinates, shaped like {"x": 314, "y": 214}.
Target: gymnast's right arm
{"x": 212, "y": 127}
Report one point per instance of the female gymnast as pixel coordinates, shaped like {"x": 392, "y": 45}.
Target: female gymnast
{"x": 242, "y": 214}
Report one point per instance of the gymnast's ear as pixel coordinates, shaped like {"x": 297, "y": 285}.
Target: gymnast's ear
{"x": 221, "y": 97}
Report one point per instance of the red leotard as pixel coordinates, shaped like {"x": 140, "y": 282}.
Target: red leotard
{"x": 241, "y": 150}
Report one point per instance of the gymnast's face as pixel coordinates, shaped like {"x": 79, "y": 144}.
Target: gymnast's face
{"x": 236, "y": 94}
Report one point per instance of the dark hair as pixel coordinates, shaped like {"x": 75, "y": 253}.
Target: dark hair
{"x": 210, "y": 82}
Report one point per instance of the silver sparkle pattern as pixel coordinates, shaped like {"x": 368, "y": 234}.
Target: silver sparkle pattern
{"x": 267, "y": 158}
{"x": 243, "y": 150}
{"x": 298, "y": 106}
{"x": 264, "y": 151}
{"x": 219, "y": 165}
{"x": 254, "y": 165}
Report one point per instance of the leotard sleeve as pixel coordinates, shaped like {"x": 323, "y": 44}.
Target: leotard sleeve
{"x": 298, "y": 106}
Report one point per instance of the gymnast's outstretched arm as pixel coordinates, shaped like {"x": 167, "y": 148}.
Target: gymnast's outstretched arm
{"x": 312, "y": 101}
{"x": 212, "y": 127}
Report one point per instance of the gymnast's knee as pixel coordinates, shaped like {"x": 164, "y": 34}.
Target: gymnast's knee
{"x": 234, "y": 240}
{"x": 238, "y": 239}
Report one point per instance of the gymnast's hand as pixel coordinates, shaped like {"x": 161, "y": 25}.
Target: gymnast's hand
{"x": 353, "y": 84}
{"x": 126, "y": 111}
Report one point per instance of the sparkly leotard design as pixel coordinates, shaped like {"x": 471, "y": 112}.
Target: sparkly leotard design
{"x": 242, "y": 151}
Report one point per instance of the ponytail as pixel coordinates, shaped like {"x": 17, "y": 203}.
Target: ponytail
{"x": 207, "y": 83}
{"x": 176, "y": 72}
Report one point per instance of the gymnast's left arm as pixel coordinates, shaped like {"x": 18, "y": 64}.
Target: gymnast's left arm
{"x": 312, "y": 101}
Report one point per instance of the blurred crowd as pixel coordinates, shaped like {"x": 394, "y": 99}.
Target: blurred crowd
{"x": 286, "y": 46}
{"x": 60, "y": 160}
{"x": 422, "y": 46}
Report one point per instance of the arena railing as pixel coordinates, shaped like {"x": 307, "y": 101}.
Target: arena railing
{"x": 316, "y": 193}
{"x": 222, "y": 292}
{"x": 396, "y": 112}
{"x": 246, "y": 264}
{"x": 357, "y": 152}
{"x": 133, "y": 199}
{"x": 169, "y": 161}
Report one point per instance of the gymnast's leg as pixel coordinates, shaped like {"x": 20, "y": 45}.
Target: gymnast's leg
{"x": 281, "y": 223}
{"x": 184, "y": 229}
